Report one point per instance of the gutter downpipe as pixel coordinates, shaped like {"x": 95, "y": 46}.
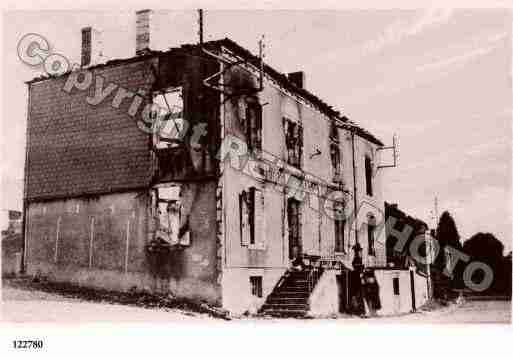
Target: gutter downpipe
{"x": 354, "y": 190}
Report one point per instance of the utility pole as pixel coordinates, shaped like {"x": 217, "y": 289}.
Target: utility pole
{"x": 200, "y": 21}
{"x": 429, "y": 249}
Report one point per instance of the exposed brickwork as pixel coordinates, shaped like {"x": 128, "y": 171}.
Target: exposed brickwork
{"x": 75, "y": 148}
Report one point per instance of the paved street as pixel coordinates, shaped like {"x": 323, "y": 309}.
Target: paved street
{"x": 22, "y": 305}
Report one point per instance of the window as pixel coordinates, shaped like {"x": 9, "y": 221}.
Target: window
{"x": 368, "y": 175}
{"x": 371, "y": 228}
{"x": 395, "y": 283}
{"x": 252, "y": 223}
{"x": 244, "y": 212}
{"x": 334, "y": 133}
{"x": 256, "y": 286}
{"x": 250, "y": 113}
{"x": 340, "y": 225}
{"x": 293, "y": 142}
{"x": 167, "y": 118}
{"x": 335, "y": 162}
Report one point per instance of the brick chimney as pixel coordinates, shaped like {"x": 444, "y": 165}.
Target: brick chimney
{"x": 297, "y": 78}
{"x": 91, "y": 47}
{"x": 142, "y": 31}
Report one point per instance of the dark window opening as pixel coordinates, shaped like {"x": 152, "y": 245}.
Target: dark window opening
{"x": 371, "y": 228}
{"x": 368, "y": 175}
{"x": 293, "y": 142}
{"x": 256, "y": 286}
{"x": 395, "y": 282}
{"x": 253, "y": 126}
{"x": 334, "y": 133}
{"x": 335, "y": 161}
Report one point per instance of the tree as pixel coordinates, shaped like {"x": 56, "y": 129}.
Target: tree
{"x": 447, "y": 236}
{"x": 484, "y": 247}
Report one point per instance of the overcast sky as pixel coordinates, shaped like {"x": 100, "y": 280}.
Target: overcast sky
{"x": 439, "y": 79}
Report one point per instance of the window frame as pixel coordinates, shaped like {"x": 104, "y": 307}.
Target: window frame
{"x": 368, "y": 177}
{"x": 256, "y": 285}
{"x": 252, "y": 124}
{"x": 396, "y": 286}
{"x": 293, "y": 142}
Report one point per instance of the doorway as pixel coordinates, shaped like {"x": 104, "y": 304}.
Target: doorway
{"x": 343, "y": 292}
{"x": 294, "y": 228}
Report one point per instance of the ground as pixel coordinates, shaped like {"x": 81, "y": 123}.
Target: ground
{"x": 24, "y": 305}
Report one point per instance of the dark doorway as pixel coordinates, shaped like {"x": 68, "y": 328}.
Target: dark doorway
{"x": 343, "y": 292}
{"x": 294, "y": 223}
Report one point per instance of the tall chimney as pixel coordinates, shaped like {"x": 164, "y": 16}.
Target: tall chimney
{"x": 142, "y": 31}
{"x": 297, "y": 78}
{"x": 91, "y": 47}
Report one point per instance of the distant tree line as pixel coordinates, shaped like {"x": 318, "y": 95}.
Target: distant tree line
{"x": 482, "y": 247}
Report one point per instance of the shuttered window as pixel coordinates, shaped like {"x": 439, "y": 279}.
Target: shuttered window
{"x": 250, "y": 115}
{"x": 293, "y": 142}
{"x": 256, "y": 286}
{"x": 252, "y": 219}
{"x": 335, "y": 162}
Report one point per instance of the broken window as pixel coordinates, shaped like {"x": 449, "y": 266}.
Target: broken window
{"x": 252, "y": 221}
{"x": 340, "y": 225}
{"x": 173, "y": 226}
{"x": 368, "y": 175}
{"x": 256, "y": 286}
{"x": 334, "y": 132}
{"x": 371, "y": 228}
{"x": 335, "y": 162}
{"x": 250, "y": 114}
{"x": 293, "y": 142}
{"x": 167, "y": 118}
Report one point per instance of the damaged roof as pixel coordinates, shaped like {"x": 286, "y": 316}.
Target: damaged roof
{"x": 238, "y": 50}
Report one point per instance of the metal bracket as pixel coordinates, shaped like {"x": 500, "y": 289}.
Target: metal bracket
{"x": 394, "y": 148}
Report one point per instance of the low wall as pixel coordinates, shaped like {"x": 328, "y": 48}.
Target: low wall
{"x": 12, "y": 247}
{"x": 101, "y": 242}
{"x": 324, "y": 298}
{"x": 392, "y": 303}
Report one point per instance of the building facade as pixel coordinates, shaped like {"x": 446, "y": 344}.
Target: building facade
{"x": 198, "y": 171}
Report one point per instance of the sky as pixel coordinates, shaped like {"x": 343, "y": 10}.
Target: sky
{"x": 439, "y": 79}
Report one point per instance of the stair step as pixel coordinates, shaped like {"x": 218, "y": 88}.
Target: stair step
{"x": 293, "y": 288}
{"x": 290, "y": 294}
{"x": 285, "y": 313}
{"x": 285, "y": 306}
{"x": 287, "y": 300}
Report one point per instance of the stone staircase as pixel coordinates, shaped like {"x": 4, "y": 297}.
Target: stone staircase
{"x": 290, "y": 297}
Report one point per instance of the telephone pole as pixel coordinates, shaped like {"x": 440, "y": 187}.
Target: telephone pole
{"x": 429, "y": 249}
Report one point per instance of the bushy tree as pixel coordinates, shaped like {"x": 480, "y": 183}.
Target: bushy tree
{"x": 446, "y": 235}
{"x": 484, "y": 247}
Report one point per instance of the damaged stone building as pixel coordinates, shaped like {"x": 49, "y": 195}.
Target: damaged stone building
{"x": 223, "y": 196}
